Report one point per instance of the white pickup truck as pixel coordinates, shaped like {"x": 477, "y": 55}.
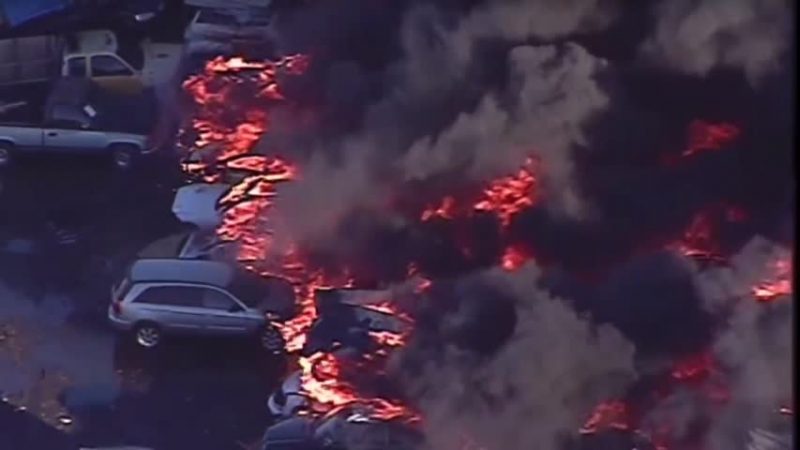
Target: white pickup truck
{"x": 74, "y": 119}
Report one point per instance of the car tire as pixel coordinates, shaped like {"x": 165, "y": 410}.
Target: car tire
{"x": 147, "y": 334}
{"x": 123, "y": 156}
{"x": 271, "y": 340}
{"x": 6, "y": 154}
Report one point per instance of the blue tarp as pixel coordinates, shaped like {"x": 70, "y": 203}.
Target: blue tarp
{"x": 17, "y": 12}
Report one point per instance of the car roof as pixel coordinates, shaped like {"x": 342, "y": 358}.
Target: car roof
{"x": 213, "y": 273}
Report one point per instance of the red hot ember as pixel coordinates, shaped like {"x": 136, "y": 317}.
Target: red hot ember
{"x": 777, "y": 284}
{"x": 704, "y": 136}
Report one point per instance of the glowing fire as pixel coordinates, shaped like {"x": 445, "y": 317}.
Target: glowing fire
{"x": 778, "y": 284}
{"x": 699, "y": 239}
{"x": 295, "y": 330}
{"x": 444, "y": 210}
{"x": 388, "y": 338}
{"x": 698, "y": 372}
{"x": 509, "y": 195}
{"x": 703, "y": 137}
{"x": 693, "y": 367}
{"x": 706, "y": 136}
{"x": 505, "y": 197}
{"x": 322, "y": 381}
{"x": 513, "y": 258}
{"x": 232, "y": 97}
{"x": 613, "y": 414}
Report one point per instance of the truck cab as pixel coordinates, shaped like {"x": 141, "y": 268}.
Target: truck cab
{"x": 98, "y": 55}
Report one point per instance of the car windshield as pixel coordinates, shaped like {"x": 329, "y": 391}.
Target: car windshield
{"x": 167, "y": 247}
{"x": 252, "y": 290}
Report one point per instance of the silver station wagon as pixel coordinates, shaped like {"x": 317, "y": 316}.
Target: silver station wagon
{"x": 157, "y": 297}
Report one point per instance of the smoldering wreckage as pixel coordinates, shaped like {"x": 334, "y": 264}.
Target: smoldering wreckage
{"x": 517, "y": 224}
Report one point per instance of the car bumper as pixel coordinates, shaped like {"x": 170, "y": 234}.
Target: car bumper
{"x": 274, "y": 409}
{"x": 118, "y": 322}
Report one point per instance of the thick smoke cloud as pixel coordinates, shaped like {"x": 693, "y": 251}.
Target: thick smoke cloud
{"x": 753, "y": 349}
{"x": 756, "y": 346}
{"x": 533, "y": 392}
{"x": 477, "y": 89}
{"x": 466, "y": 102}
{"x": 695, "y": 37}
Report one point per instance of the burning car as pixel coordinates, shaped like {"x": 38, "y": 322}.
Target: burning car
{"x": 339, "y": 431}
{"x": 353, "y": 321}
{"x": 289, "y": 398}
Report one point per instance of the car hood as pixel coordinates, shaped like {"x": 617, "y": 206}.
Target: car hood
{"x": 196, "y": 204}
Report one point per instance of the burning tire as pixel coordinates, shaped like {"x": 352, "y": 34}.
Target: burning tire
{"x": 147, "y": 334}
{"x": 271, "y": 340}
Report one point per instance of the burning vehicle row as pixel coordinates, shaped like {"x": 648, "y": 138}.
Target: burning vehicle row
{"x": 331, "y": 333}
{"x": 472, "y": 258}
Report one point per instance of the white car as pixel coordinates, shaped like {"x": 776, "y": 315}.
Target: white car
{"x": 198, "y": 204}
{"x": 221, "y": 29}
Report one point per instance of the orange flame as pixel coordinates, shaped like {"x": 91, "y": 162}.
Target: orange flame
{"x": 613, "y": 414}
{"x": 322, "y": 381}
{"x": 706, "y": 136}
{"x": 778, "y": 284}
{"x": 699, "y": 240}
{"x": 445, "y": 210}
{"x": 513, "y": 258}
{"x": 694, "y": 367}
{"x": 703, "y": 137}
{"x": 229, "y": 127}
{"x": 509, "y": 195}
{"x": 227, "y": 130}
{"x": 505, "y": 197}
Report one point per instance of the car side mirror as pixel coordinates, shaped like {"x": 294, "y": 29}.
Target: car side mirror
{"x": 235, "y": 308}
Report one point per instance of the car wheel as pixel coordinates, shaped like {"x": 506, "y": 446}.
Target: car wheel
{"x": 271, "y": 340}
{"x": 122, "y": 157}
{"x": 147, "y": 334}
{"x": 5, "y": 154}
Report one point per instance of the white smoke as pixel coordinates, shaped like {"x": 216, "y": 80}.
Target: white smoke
{"x": 696, "y": 37}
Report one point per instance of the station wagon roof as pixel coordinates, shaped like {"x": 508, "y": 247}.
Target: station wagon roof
{"x": 214, "y": 273}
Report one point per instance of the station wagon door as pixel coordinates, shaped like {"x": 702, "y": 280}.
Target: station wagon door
{"x": 225, "y": 315}
{"x": 175, "y": 308}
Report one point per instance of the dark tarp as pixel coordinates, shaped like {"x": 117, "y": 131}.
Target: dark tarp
{"x": 17, "y": 12}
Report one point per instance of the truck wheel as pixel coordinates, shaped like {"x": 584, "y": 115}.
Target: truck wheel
{"x": 122, "y": 155}
{"x": 5, "y": 154}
